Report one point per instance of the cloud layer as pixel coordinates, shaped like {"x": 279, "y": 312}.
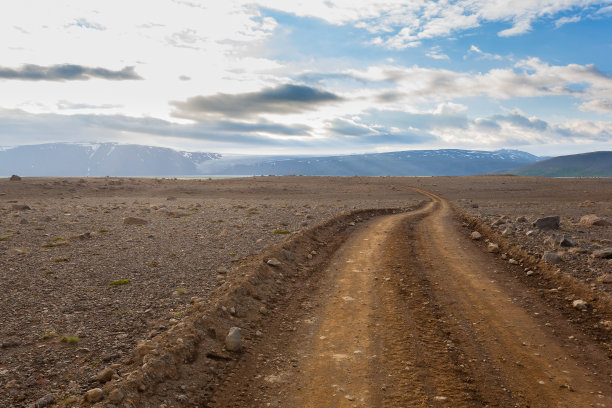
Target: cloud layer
{"x": 66, "y": 72}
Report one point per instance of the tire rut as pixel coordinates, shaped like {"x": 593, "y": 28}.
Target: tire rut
{"x": 411, "y": 313}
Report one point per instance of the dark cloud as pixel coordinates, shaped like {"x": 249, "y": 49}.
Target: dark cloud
{"x": 17, "y": 125}
{"x": 184, "y": 78}
{"x": 283, "y": 99}
{"x": 519, "y": 120}
{"x": 66, "y": 72}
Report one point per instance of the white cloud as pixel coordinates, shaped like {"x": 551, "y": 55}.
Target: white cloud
{"x": 436, "y": 53}
{"x": 566, "y": 20}
{"x": 474, "y": 50}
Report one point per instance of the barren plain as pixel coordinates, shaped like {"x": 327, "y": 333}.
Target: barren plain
{"x": 348, "y": 292}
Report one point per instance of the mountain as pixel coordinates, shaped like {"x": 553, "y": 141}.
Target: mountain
{"x": 103, "y": 159}
{"x": 447, "y": 162}
{"x": 595, "y": 164}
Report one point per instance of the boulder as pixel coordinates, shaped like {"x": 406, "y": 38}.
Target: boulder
{"x": 233, "y": 340}
{"x": 579, "y": 304}
{"x": 94, "y": 395}
{"x": 592, "y": 219}
{"x": 605, "y": 253}
{"x": 550, "y": 222}
{"x": 493, "y": 248}
{"x": 15, "y": 177}
{"x": 476, "y": 235}
{"x": 566, "y": 242}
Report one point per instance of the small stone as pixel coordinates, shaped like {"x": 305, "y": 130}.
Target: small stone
{"x": 507, "y": 232}
{"x": 94, "y": 395}
{"x": 134, "y": 221}
{"x": 20, "y": 207}
{"x": 551, "y": 258}
{"x": 258, "y": 333}
{"x": 521, "y": 219}
{"x": 476, "y": 235}
{"x": 105, "y": 375}
{"x": 274, "y": 262}
{"x": 530, "y": 233}
{"x": 529, "y": 273}
{"x": 550, "y": 222}
{"x": 592, "y": 219}
{"x": 567, "y": 242}
{"x": 579, "y": 304}
{"x": 440, "y": 398}
{"x": 24, "y": 221}
{"x": 606, "y": 279}
{"x": 499, "y": 221}
{"x": 513, "y": 261}
{"x": 493, "y": 248}
{"x": 349, "y": 397}
{"x": 15, "y": 177}
{"x": 45, "y": 401}
{"x": 233, "y": 341}
{"x": 116, "y": 396}
{"x": 605, "y": 253}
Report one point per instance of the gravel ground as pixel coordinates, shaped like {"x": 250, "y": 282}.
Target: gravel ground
{"x": 79, "y": 287}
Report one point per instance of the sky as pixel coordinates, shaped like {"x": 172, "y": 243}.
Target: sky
{"x": 309, "y": 77}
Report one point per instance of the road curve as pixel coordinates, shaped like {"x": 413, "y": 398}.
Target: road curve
{"x": 411, "y": 313}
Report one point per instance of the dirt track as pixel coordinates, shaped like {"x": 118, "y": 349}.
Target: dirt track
{"x": 412, "y": 313}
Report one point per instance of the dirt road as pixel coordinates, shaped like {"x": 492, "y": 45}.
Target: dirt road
{"x": 412, "y": 313}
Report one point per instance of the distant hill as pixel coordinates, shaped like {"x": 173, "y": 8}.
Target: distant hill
{"x": 595, "y": 164}
{"x": 447, "y": 162}
{"x": 111, "y": 159}
{"x": 103, "y": 159}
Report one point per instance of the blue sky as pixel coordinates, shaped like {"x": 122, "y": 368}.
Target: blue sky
{"x": 309, "y": 77}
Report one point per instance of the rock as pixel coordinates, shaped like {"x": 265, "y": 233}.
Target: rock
{"x": 289, "y": 256}
{"x": 104, "y": 375}
{"x": 579, "y": 304}
{"x": 566, "y": 242}
{"x": 233, "y": 341}
{"x": 607, "y": 278}
{"x": 20, "y": 207}
{"x": 499, "y": 221}
{"x": 94, "y": 395}
{"x": 274, "y": 262}
{"x": 521, "y": 219}
{"x": 550, "y": 222}
{"x": 513, "y": 261}
{"x": 507, "y": 232}
{"x": 134, "y": 221}
{"x": 24, "y": 221}
{"x": 115, "y": 396}
{"x": 45, "y": 401}
{"x": 493, "y": 248}
{"x": 530, "y": 233}
{"x": 15, "y": 177}
{"x": 551, "y": 258}
{"x": 529, "y": 273}
{"x": 476, "y": 235}
{"x": 605, "y": 253}
{"x": 592, "y": 219}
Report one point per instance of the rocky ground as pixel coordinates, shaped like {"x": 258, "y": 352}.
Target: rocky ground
{"x": 89, "y": 267}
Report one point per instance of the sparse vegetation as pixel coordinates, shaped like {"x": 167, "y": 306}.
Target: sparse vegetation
{"x": 5, "y": 239}
{"x": 57, "y": 260}
{"x": 281, "y": 231}
{"x": 119, "y": 282}
{"x": 182, "y": 291}
{"x": 216, "y": 221}
{"x": 55, "y": 244}
{"x": 103, "y": 230}
{"x": 70, "y": 339}
{"x": 48, "y": 335}
{"x": 153, "y": 264}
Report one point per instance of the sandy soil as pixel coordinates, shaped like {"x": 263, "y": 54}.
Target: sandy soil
{"x": 63, "y": 321}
